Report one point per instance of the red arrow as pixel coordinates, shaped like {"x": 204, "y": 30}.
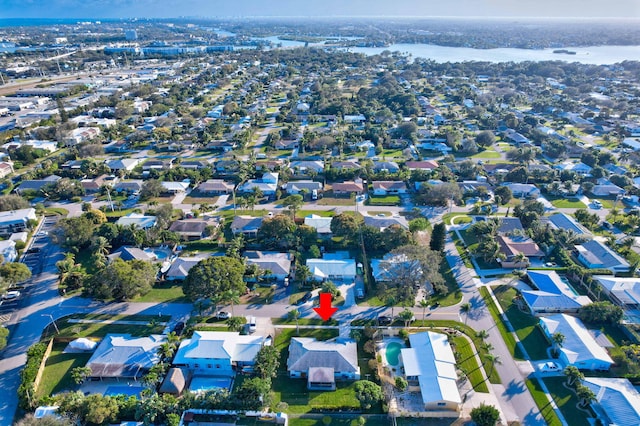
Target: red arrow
{"x": 325, "y": 310}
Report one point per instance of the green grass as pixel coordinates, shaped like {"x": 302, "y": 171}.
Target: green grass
{"x": 383, "y": 200}
{"x": 543, "y": 404}
{"x": 567, "y": 401}
{"x": 567, "y": 203}
{"x": 606, "y": 203}
{"x": 508, "y": 338}
{"x": 69, "y": 329}
{"x": 57, "y": 370}
{"x": 454, "y": 295}
{"x": 457, "y": 220}
{"x": 462, "y": 251}
{"x": 120, "y": 213}
{"x": 467, "y": 363}
{"x": 328, "y": 200}
{"x": 525, "y": 325}
{"x": 321, "y": 213}
{"x": 50, "y": 211}
{"x": 303, "y": 321}
{"x": 486, "y": 154}
{"x": 165, "y": 292}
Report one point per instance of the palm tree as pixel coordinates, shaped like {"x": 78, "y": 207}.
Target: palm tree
{"x": 232, "y": 297}
{"x": 235, "y": 323}
{"x": 294, "y": 314}
{"x": 493, "y": 360}
{"x": 585, "y": 395}
{"x": 303, "y": 273}
{"x": 557, "y": 339}
{"x": 520, "y": 258}
{"x": 573, "y": 375}
{"x": 482, "y": 334}
{"x": 424, "y": 304}
{"x": 166, "y": 351}
{"x": 465, "y": 308}
{"x": 406, "y": 316}
{"x": 390, "y": 301}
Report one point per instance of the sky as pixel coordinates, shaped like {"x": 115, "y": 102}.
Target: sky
{"x": 226, "y": 8}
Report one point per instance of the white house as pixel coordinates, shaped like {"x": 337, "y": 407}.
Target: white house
{"x": 579, "y": 348}
{"x": 625, "y": 292}
{"x": 617, "y": 401}
{"x": 323, "y": 362}
{"x": 268, "y": 184}
{"x": 279, "y": 264}
{"x": 125, "y": 356}
{"x": 576, "y": 167}
{"x": 552, "y": 294}
{"x": 16, "y": 220}
{"x": 523, "y": 190}
{"x": 138, "y": 220}
{"x": 8, "y": 251}
{"x": 321, "y": 224}
{"x": 430, "y": 368}
{"x": 180, "y": 267}
{"x": 126, "y": 164}
{"x": 564, "y": 221}
{"x": 332, "y": 269}
{"x": 595, "y": 255}
{"x": 389, "y": 187}
{"x": 217, "y": 353}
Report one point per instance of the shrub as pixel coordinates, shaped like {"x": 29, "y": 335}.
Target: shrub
{"x": 26, "y": 390}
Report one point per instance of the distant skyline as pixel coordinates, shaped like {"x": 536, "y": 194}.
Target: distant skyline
{"x": 96, "y": 9}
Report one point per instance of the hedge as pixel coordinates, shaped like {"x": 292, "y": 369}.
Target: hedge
{"x": 26, "y": 391}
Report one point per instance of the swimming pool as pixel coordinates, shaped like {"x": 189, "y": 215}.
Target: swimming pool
{"x": 392, "y": 353}
{"x": 123, "y": 390}
{"x": 160, "y": 253}
{"x": 206, "y": 383}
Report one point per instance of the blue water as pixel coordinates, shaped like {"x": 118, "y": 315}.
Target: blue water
{"x": 161, "y": 254}
{"x": 123, "y": 390}
{"x": 203, "y": 384}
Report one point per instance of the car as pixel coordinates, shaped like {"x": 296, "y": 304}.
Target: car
{"x": 384, "y": 320}
{"x": 251, "y": 323}
{"x": 178, "y": 328}
{"x": 548, "y": 366}
{"x": 381, "y": 215}
{"x": 304, "y": 299}
{"x": 33, "y": 250}
{"x": 551, "y": 264}
{"x": 223, "y": 315}
{"x": 42, "y": 234}
{"x": 360, "y": 293}
{"x": 286, "y": 281}
{"x": 596, "y": 204}
{"x": 11, "y": 295}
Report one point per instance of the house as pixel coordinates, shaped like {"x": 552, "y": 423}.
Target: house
{"x": 174, "y": 187}
{"x": 607, "y": 190}
{"x": 576, "y": 167}
{"x": 625, "y": 292}
{"x": 222, "y": 145}
{"x": 552, "y": 294}
{"x": 246, "y": 225}
{"x": 155, "y": 164}
{"x": 128, "y": 186}
{"x": 633, "y": 143}
{"x": 323, "y": 362}
{"x": 268, "y": 184}
{"x": 382, "y": 223}
{"x": 617, "y": 400}
{"x": 286, "y": 144}
{"x": 218, "y": 353}
{"x": 189, "y": 229}
{"x": 36, "y": 185}
{"x": 595, "y": 255}
{"x": 355, "y": 119}
{"x": 421, "y": 165}
{"x": 6, "y": 168}
{"x": 386, "y": 166}
{"x": 124, "y": 164}
{"x": 345, "y": 165}
{"x": 393, "y": 268}
{"x": 430, "y": 368}
{"x": 512, "y": 246}
{"x": 307, "y": 186}
{"x": 329, "y": 268}
{"x": 307, "y": 167}
{"x": 124, "y": 356}
{"x": 579, "y": 348}
{"x": 8, "y": 251}
{"x": 279, "y": 264}
{"x": 564, "y": 221}
{"x": 523, "y": 190}
{"x": 138, "y": 220}
{"x": 321, "y": 224}
{"x": 94, "y": 185}
{"x": 81, "y": 134}
{"x": 16, "y": 221}
{"x": 383, "y": 187}
{"x": 215, "y": 187}
{"x": 510, "y": 225}
{"x": 347, "y": 188}
{"x": 132, "y": 253}
{"x": 19, "y": 236}
{"x": 180, "y": 267}
{"x": 193, "y": 164}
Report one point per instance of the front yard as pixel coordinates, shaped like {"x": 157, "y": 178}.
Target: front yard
{"x": 383, "y": 200}
{"x": 567, "y": 401}
{"x": 57, "y": 370}
{"x": 149, "y": 324}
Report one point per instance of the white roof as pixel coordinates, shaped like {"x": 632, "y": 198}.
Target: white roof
{"x": 218, "y": 345}
{"x": 324, "y": 268}
{"x": 626, "y": 290}
{"x": 431, "y": 359}
{"x": 617, "y": 397}
{"x": 579, "y": 345}
{"x": 17, "y": 216}
{"x": 552, "y": 293}
{"x": 321, "y": 224}
{"x": 137, "y": 219}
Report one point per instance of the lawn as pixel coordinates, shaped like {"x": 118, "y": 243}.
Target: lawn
{"x": 57, "y": 370}
{"x": 329, "y": 200}
{"x": 462, "y": 251}
{"x": 543, "y": 404}
{"x": 486, "y": 154}
{"x": 321, "y": 213}
{"x": 606, "y": 203}
{"x": 525, "y": 325}
{"x": 200, "y": 200}
{"x": 387, "y": 200}
{"x": 508, "y": 338}
{"x": 165, "y": 292}
{"x": 455, "y": 295}
{"x": 71, "y": 329}
{"x": 566, "y": 203}
{"x": 567, "y": 401}
{"x": 467, "y": 363}
{"x": 458, "y": 220}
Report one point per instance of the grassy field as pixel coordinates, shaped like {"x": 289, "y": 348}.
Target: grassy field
{"x": 462, "y": 251}
{"x": 486, "y": 154}
{"x": 455, "y": 295}
{"x": 100, "y": 329}
{"x": 321, "y": 213}
{"x": 57, "y": 370}
{"x": 383, "y": 200}
{"x": 329, "y": 200}
{"x": 567, "y": 401}
{"x": 525, "y": 325}
{"x": 200, "y": 200}
{"x": 165, "y": 292}
{"x": 566, "y": 203}
{"x": 467, "y": 363}
{"x": 508, "y": 338}
{"x": 543, "y": 404}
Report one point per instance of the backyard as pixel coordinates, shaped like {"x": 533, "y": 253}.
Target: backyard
{"x": 57, "y": 370}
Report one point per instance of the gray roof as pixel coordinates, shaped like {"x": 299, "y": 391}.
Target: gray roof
{"x": 509, "y": 224}
{"x": 564, "y": 221}
{"x": 596, "y": 253}
{"x": 277, "y": 263}
{"x": 246, "y": 223}
{"x": 307, "y": 352}
{"x": 188, "y": 226}
{"x": 121, "y": 355}
{"x": 132, "y": 253}
{"x": 383, "y": 222}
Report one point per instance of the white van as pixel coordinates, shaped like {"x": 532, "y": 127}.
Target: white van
{"x": 314, "y": 194}
{"x": 251, "y": 322}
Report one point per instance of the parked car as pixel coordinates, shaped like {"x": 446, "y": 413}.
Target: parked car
{"x": 223, "y": 315}
{"x": 251, "y": 323}
{"x": 179, "y": 328}
{"x": 360, "y": 293}
{"x": 548, "y": 366}
{"x": 384, "y": 320}
{"x": 304, "y": 299}
{"x": 11, "y": 295}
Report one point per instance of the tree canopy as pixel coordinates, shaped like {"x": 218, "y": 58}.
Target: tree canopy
{"x": 214, "y": 276}
{"x": 124, "y": 280}
{"x": 368, "y": 393}
{"x": 485, "y": 415}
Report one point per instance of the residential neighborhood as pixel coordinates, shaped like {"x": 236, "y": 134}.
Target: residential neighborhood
{"x": 176, "y": 224}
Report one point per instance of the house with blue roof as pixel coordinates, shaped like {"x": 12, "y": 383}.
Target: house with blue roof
{"x": 596, "y": 255}
{"x": 552, "y": 294}
{"x": 617, "y": 400}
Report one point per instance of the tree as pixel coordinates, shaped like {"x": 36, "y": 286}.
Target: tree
{"x": 424, "y": 304}
{"x": 485, "y": 138}
{"x": 344, "y": 225}
{"x": 235, "y": 246}
{"x": 557, "y": 339}
{"x": 331, "y": 288}
{"x": 401, "y": 383}
{"x": 368, "y": 393}
{"x": 73, "y": 233}
{"x": 493, "y": 360}
{"x": 418, "y": 224}
{"x": 13, "y": 202}
{"x": 124, "y": 280}
{"x": 267, "y": 362}
{"x": 485, "y": 415}
{"x": 439, "y": 195}
{"x": 66, "y": 267}
{"x": 293, "y": 203}
{"x": 406, "y": 316}
{"x": 214, "y": 275}
{"x": 277, "y": 232}
{"x": 150, "y": 189}
{"x": 504, "y": 193}
{"x": 438, "y": 236}
{"x": 585, "y": 395}
{"x": 29, "y": 420}
{"x": 99, "y": 409}
{"x": 14, "y": 272}
{"x": 80, "y": 374}
{"x": 235, "y": 323}
{"x": 574, "y": 376}
{"x": 294, "y": 315}
{"x": 252, "y": 393}
{"x": 4, "y": 333}
{"x": 465, "y": 309}
{"x": 601, "y": 312}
